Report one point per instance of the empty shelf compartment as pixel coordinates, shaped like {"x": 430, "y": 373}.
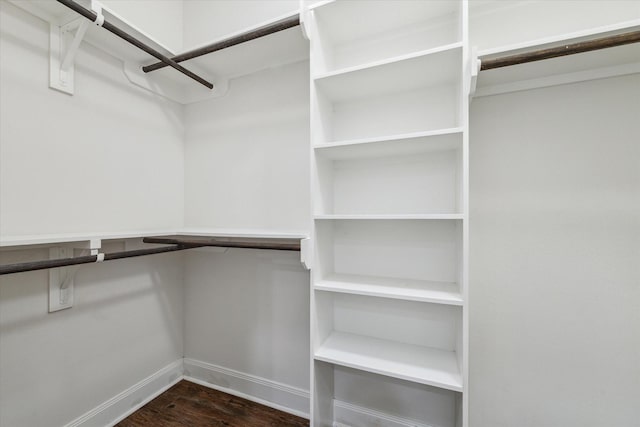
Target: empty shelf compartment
{"x": 410, "y": 174}
{"x": 346, "y": 38}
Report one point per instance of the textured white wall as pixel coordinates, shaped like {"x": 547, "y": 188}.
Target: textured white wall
{"x": 555, "y": 249}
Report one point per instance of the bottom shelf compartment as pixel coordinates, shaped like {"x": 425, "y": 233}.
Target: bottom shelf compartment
{"x": 410, "y": 340}
{"x": 351, "y": 397}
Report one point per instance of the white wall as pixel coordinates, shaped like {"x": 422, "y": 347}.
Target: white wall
{"x": 555, "y": 249}
{"x": 162, "y": 20}
{"x": 109, "y": 158}
{"x": 499, "y": 23}
{"x": 126, "y": 324}
{"x": 206, "y": 21}
{"x": 248, "y": 310}
{"x": 247, "y": 154}
{"x": 247, "y": 168}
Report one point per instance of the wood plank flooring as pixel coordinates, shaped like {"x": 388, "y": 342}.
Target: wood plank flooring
{"x": 193, "y": 405}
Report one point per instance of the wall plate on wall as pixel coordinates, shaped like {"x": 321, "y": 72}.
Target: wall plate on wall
{"x": 61, "y": 281}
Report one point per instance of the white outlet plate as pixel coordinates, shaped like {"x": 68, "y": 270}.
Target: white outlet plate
{"x": 60, "y": 299}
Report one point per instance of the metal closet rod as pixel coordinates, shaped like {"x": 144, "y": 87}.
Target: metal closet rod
{"x": 256, "y": 33}
{"x": 554, "y": 52}
{"x": 179, "y": 243}
{"x": 92, "y": 16}
{"x": 65, "y": 262}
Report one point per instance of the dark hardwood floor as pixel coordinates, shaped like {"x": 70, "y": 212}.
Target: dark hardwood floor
{"x": 193, "y": 405}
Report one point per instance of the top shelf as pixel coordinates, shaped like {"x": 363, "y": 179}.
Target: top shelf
{"x": 399, "y": 74}
{"x": 346, "y": 38}
{"x": 182, "y": 233}
{"x": 601, "y": 63}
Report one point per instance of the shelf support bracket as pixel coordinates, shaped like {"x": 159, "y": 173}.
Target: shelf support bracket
{"x": 61, "y": 280}
{"x": 476, "y": 63}
{"x": 62, "y": 51}
{"x": 306, "y": 253}
{"x": 304, "y": 19}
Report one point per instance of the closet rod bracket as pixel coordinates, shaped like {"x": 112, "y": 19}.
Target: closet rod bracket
{"x": 476, "y": 65}
{"x": 304, "y": 19}
{"x": 306, "y": 253}
{"x": 62, "y": 279}
{"x": 65, "y": 42}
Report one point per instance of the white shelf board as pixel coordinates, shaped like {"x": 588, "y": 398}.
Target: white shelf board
{"x": 408, "y": 362}
{"x": 562, "y": 39}
{"x": 396, "y": 145}
{"x": 380, "y": 63}
{"x": 405, "y": 289}
{"x": 411, "y": 135}
{"x": 227, "y": 232}
{"x": 59, "y": 14}
{"x": 402, "y": 74}
{"x": 48, "y": 239}
{"x": 320, "y": 3}
{"x": 565, "y": 69}
{"x": 429, "y": 216}
{"x": 352, "y": 20}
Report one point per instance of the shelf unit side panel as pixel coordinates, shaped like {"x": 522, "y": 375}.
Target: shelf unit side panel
{"x": 462, "y": 351}
{"x": 323, "y": 391}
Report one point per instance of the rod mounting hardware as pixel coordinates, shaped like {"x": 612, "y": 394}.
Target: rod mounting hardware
{"x": 304, "y": 19}
{"x": 306, "y": 253}
{"x": 65, "y": 42}
{"x": 476, "y": 65}
{"x": 62, "y": 279}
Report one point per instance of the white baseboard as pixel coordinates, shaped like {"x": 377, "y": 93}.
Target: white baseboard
{"x": 347, "y": 415}
{"x": 257, "y": 389}
{"x": 261, "y": 390}
{"x": 124, "y": 404}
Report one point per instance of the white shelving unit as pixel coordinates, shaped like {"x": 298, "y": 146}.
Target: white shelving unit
{"x": 389, "y": 171}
